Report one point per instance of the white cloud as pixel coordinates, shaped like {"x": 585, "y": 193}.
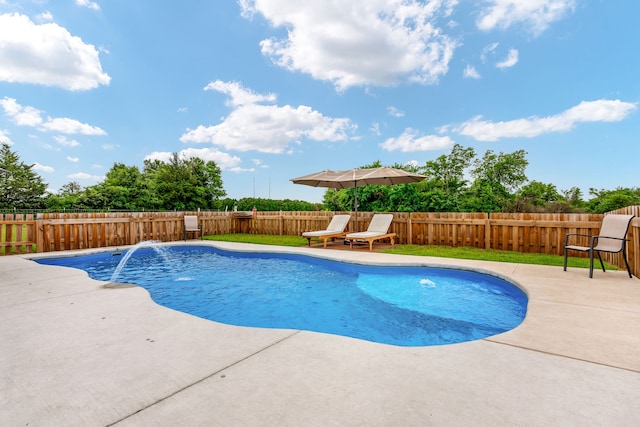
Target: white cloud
{"x": 267, "y": 128}
{"x": 64, "y": 141}
{"x": 85, "y": 176}
{"x": 375, "y": 128}
{"x": 42, "y": 168}
{"x": 535, "y": 15}
{"x": 45, "y": 17}
{"x": 259, "y": 163}
{"x": 410, "y": 142}
{"x": 4, "y": 137}
{"x": 470, "y": 72}
{"x": 358, "y": 43}
{"x": 49, "y": 147}
{"x": 488, "y": 50}
{"x": 242, "y": 170}
{"x": 393, "y": 111}
{"x": 270, "y": 129}
{"x": 30, "y": 116}
{"x": 47, "y": 54}
{"x": 449, "y": 7}
{"x": 71, "y": 126}
{"x": 223, "y": 160}
{"x": 238, "y": 95}
{"x": 73, "y": 159}
{"x": 90, "y": 4}
{"x": 510, "y": 60}
{"x": 22, "y": 116}
{"x": 602, "y": 110}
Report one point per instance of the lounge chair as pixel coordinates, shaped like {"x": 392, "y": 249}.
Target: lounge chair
{"x": 612, "y": 239}
{"x": 335, "y": 229}
{"x": 191, "y": 226}
{"x": 378, "y": 229}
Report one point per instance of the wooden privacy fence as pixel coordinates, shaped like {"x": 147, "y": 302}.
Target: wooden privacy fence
{"x": 519, "y": 232}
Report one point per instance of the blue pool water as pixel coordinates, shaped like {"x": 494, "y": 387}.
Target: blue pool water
{"x": 405, "y": 306}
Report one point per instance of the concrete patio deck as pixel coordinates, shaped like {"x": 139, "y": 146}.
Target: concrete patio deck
{"x": 74, "y": 352}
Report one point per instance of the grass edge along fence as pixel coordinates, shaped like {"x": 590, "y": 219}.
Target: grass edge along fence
{"x": 519, "y": 232}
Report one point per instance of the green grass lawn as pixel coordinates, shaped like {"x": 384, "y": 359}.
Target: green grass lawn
{"x": 423, "y": 250}
{"x": 489, "y": 255}
{"x": 262, "y": 239}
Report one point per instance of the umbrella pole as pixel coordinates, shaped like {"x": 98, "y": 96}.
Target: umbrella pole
{"x": 355, "y": 201}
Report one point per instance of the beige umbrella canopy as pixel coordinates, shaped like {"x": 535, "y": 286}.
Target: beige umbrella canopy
{"x": 353, "y": 178}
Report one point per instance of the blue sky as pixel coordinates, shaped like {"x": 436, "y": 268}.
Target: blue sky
{"x": 274, "y": 89}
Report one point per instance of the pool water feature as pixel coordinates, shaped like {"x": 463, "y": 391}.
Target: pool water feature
{"x": 405, "y": 306}
{"x": 153, "y": 244}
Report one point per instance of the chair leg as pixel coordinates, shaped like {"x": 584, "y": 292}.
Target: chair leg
{"x": 624, "y": 257}
{"x": 591, "y": 264}
{"x": 601, "y": 263}
{"x": 565, "y": 259}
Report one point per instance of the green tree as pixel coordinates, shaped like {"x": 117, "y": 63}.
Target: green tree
{"x": 271, "y": 205}
{"x": 538, "y": 193}
{"x": 67, "y": 197}
{"x": 573, "y": 196}
{"x": 404, "y": 198}
{"x": 433, "y": 198}
{"x": 331, "y": 200}
{"x": 184, "y": 184}
{"x": 609, "y": 200}
{"x": 495, "y": 175}
{"x": 124, "y": 188}
{"x": 445, "y": 180}
{"x": 20, "y": 186}
{"x": 535, "y": 196}
{"x": 72, "y": 188}
{"x": 207, "y": 176}
{"x": 573, "y": 199}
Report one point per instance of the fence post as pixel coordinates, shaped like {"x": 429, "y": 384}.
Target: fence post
{"x": 487, "y": 233}
{"x": 39, "y": 235}
{"x": 132, "y": 231}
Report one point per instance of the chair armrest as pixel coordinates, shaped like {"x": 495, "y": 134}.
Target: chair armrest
{"x": 612, "y": 238}
{"x": 568, "y": 235}
{"x": 594, "y": 240}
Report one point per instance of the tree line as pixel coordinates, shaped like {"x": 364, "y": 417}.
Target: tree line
{"x": 456, "y": 182}
{"x": 463, "y": 182}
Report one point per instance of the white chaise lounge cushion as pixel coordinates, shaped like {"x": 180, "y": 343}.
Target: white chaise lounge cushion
{"x": 379, "y": 224}
{"x": 337, "y": 225}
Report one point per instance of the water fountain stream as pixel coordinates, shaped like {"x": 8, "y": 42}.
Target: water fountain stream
{"x": 153, "y": 244}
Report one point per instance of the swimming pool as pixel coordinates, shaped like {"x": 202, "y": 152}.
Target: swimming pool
{"x": 405, "y": 306}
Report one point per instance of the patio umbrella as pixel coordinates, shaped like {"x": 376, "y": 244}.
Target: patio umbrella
{"x": 353, "y": 178}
